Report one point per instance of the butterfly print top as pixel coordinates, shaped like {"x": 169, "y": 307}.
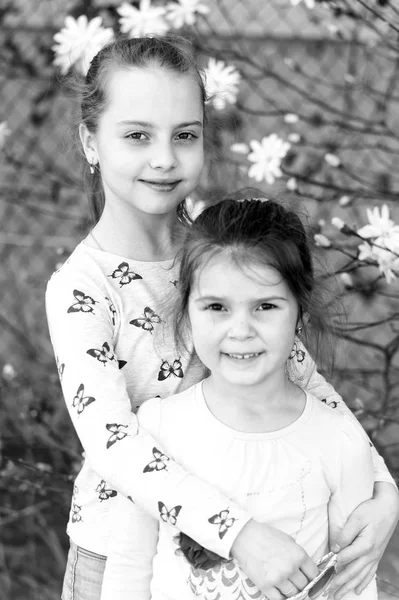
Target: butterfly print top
{"x": 305, "y": 479}
{"x": 110, "y": 332}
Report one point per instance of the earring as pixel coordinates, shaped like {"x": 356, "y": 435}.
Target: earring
{"x": 91, "y": 168}
{"x": 298, "y": 330}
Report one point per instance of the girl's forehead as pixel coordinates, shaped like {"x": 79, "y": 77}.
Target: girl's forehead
{"x": 225, "y": 269}
{"x": 142, "y": 92}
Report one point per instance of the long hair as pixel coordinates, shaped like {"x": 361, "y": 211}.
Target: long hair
{"x": 173, "y": 53}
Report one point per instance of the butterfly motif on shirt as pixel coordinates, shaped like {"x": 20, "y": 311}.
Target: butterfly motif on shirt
{"x": 166, "y": 370}
{"x": 112, "y": 309}
{"x": 168, "y": 516}
{"x": 80, "y": 401}
{"x": 297, "y": 353}
{"x": 76, "y": 516}
{"x": 224, "y": 521}
{"x": 159, "y": 463}
{"x": 117, "y": 433}
{"x": 103, "y": 355}
{"x": 83, "y": 303}
{"x": 105, "y": 493}
{"x": 147, "y": 321}
{"x": 60, "y": 368}
{"x": 331, "y": 404}
{"x": 124, "y": 274}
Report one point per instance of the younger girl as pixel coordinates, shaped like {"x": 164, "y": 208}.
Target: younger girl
{"x": 246, "y": 290}
{"x": 142, "y": 112}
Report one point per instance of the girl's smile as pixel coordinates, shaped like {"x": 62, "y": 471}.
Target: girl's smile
{"x": 243, "y": 321}
{"x": 149, "y": 142}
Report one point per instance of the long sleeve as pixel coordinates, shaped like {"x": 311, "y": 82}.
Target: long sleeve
{"x": 132, "y": 547}
{"x": 302, "y": 370}
{"x": 81, "y": 316}
{"x": 133, "y": 537}
{"x": 353, "y": 481}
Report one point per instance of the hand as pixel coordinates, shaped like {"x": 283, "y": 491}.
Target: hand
{"x": 364, "y": 538}
{"x": 272, "y": 560}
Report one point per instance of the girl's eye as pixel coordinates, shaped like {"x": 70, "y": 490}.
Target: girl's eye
{"x": 137, "y": 136}
{"x": 266, "y": 306}
{"x": 215, "y": 306}
{"x": 186, "y": 136}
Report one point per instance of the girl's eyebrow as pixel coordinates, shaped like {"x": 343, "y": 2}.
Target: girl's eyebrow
{"x": 151, "y": 125}
{"x": 223, "y": 299}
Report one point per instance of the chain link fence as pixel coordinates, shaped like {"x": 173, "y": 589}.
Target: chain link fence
{"x": 343, "y": 89}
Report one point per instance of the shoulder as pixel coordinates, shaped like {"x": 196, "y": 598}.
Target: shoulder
{"x": 162, "y": 410}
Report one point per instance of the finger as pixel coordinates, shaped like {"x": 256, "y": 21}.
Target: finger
{"x": 349, "y": 586}
{"x": 348, "y": 533}
{"x": 349, "y": 573}
{"x": 299, "y": 581}
{"x": 356, "y": 550}
{"x": 350, "y": 578}
{"x": 274, "y": 594}
{"x": 288, "y": 588}
{"x": 362, "y": 586}
{"x": 309, "y": 569}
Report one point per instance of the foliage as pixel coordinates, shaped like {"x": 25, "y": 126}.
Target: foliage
{"x": 310, "y": 113}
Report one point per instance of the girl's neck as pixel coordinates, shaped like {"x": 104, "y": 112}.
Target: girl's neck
{"x": 136, "y": 235}
{"x": 269, "y": 407}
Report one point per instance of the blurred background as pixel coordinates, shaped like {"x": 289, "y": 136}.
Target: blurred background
{"x": 305, "y": 104}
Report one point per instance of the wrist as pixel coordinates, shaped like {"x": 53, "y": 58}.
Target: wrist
{"x": 241, "y": 534}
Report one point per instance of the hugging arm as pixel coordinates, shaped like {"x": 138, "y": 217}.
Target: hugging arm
{"x": 367, "y": 530}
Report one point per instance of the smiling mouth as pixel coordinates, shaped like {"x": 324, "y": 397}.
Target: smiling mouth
{"x": 243, "y": 356}
{"x": 164, "y": 186}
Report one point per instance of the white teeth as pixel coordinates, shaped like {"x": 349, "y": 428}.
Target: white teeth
{"x": 242, "y": 356}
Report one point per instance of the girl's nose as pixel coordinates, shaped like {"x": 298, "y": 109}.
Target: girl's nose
{"x": 240, "y": 328}
{"x": 163, "y": 157}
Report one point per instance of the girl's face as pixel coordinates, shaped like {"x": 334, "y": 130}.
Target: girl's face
{"x": 243, "y": 321}
{"x": 149, "y": 143}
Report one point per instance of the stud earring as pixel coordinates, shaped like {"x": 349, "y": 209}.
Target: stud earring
{"x": 298, "y": 330}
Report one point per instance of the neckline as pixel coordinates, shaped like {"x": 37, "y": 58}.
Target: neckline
{"x": 111, "y": 255}
{"x": 224, "y": 429}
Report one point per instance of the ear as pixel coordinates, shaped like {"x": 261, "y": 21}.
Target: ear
{"x": 89, "y": 144}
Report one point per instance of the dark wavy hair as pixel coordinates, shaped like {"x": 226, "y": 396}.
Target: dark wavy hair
{"x": 171, "y": 52}
{"x": 256, "y": 232}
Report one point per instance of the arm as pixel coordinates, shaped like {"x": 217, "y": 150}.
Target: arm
{"x": 132, "y": 547}
{"x": 97, "y": 400}
{"x": 305, "y": 374}
{"x": 134, "y": 535}
{"x": 352, "y": 485}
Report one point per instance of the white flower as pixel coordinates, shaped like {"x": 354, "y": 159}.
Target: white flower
{"x": 380, "y": 225}
{"x": 240, "y": 148}
{"x": 322, "y": 240}
{"x": 4, "y": 133}
{"x": 146, "y": 19}
{"x": 332, "y": 159}
{"x": 9, "y": 372}
{"x": 292, "y": 184}
{"x": 78, "y": 42}
{"x": 386, "y": 258}
{"x": 344, "y": 200}
{"x": 183, "y": 12}
{"x": 267, "y": 156}
{"x": 291, "y": 118}
{"x": 309, "y": 3}
{"x": 347, "y": 280}
{"x": 294, "y": 138}
{"x": 221, "y": 82}
{"x": 338, "y": 223}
